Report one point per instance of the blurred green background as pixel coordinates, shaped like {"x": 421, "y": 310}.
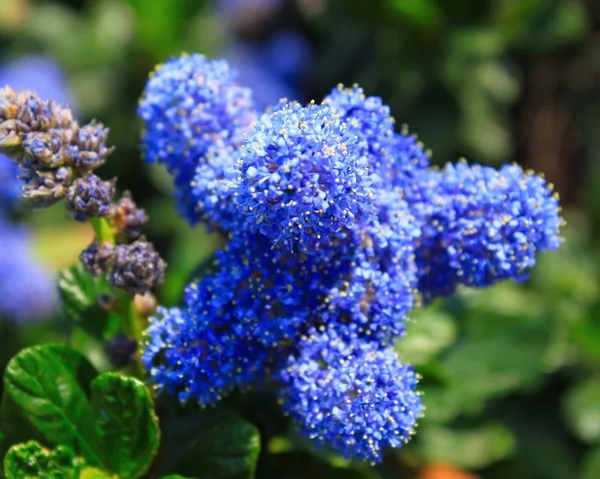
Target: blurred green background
{"x": 511, "y": 374}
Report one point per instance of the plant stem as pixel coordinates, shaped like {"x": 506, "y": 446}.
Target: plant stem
{"x": 132, "y": 322}
{"x": 103, "y": 229}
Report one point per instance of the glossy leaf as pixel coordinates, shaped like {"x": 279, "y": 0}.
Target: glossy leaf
{"x": 211, "y": 445}
{"x": 80, "y": 293}
{"x": 32, "y": 461}
{"x": 45, "y": 388}
{"x": 127, "y": 426}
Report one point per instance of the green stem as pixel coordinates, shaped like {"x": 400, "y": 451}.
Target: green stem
{"x": 132, "y": 322}
{"x": 103, "y": 230}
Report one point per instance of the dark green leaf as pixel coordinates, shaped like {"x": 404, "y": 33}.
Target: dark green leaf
{"x": 211, "y": 446}
{"x": 45, "y": 391}
{"x": 80, "y": 292}
{"x": 176, "y": 476}
{"x": 582, "y": 409}
{"x": 32, "y": 461}
{"x": 126, "y": 423}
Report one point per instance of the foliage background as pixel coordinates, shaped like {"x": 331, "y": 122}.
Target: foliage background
{"x": 511, "y": 374}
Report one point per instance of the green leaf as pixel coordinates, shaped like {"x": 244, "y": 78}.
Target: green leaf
{"x": 32, "y": 461}
{"x": 126, "y": 423}
{"x": 93, "y": 473}
{"x": 582, "y": 409}
{"x": 211, "y": 446}
{"x": 472, "y": 449}
{"x": 80, "y": 292}
{"x": 176, "y": 476}
{"x": 45, "y": 388}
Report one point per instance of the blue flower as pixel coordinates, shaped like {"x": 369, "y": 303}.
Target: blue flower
{"x": 393, "y": 156}
{"x": 371, "y": 300}
{"x": 10, "y": 185}
{"x": 305, "y": 179}
{"x": 189, "y": 105}
{"x": 264, "y": 294}
{"x": 27, "y": 290}
{"x": 196, "y": 361}
{"x": 480, "y": 225}
{"x": 39, "y": 74}
{"x": 350, "y": 395}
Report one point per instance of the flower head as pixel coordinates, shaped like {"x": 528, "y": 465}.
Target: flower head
{"x": 480, "y": 225}
{"x": 189, "y": 104}
{"x": 197, "y": 361}
{"x": 305, "y": 179}
{"x": 350, "y": 395}
{"x": 393, "y": 156}
{"x": 27, "y": 289}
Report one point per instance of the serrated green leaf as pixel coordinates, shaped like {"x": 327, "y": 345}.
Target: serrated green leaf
{"x": 93, "y": 473}
{"x": 213, "y": 445}
{"x": 32, "y": 461}
{"x": 582, "y": 408}
{"x": 126, "y": 423}
{"x": 45, "y": 388}
{"x": 80, "y": 292}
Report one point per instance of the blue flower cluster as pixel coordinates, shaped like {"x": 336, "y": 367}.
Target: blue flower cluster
{"x": 337, "y": 227}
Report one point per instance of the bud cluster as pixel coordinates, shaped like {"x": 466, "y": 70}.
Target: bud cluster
{"x": 57, "y": 157}
{"x": 50, "y": 146}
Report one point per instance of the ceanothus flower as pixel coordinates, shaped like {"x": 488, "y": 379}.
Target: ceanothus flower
{"x": 480, "y": 225}
{"x": 190, "y": 104}
{"x": 265, "y": 294}
{"x": 372, "y": 299}
{"x": 27, "y": 289}
{"x": 305, "y": 178}
{"x": 351, "y": 396}
{"x": 10, "y": 185}
{"x": 393, "y": 156}
{"x": 196, "y": 361}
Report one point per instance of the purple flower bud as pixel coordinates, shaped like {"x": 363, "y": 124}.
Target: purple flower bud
{"x": 96, "y": 257}
{"x": 137, "y": 267}
{"x": 127, "y": 218}
{"x": 121, "y": 350}
{"x": 90, "y": 197}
